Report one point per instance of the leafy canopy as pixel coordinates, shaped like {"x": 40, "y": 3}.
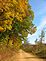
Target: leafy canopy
{"x": 15, "y": 21}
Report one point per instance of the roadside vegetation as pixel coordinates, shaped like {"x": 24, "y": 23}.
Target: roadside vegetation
{"x": 38, "y": 49}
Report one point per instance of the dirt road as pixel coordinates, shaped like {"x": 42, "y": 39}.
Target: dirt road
{"x": 23, "y": 56}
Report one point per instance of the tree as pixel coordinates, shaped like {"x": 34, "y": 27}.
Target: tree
{"x": 42, "y": 36}
{"x": 36, "y": 41}
{"x": 15, "y": 21}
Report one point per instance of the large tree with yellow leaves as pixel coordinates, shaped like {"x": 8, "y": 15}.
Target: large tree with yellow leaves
{"x": 15, "y": 21}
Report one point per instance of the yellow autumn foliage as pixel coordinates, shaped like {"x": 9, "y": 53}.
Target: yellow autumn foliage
{"x": 11, "y": 9}
{"x": 1, "y": 29}
{"x": 20, "y": 7}
{"x": 9, "y": 27}
{"x": 8, "y": 22}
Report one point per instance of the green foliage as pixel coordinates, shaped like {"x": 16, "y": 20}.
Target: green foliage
{"x": 42, "y": 36}
{"x": 15, "y": 21}
{"x": 39, "y": 50}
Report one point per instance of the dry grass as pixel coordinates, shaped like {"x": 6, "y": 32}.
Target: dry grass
{"x": 6, "y": 53}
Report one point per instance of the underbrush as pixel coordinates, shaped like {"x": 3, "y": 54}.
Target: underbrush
{"x": 38, "y": 50}
{"x": 6, "y": 52}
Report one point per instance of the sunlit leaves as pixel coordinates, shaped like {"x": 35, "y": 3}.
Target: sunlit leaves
{"x": 15, "y": 21}
{"x": 1, "y": 29}
{"x": 8, "y": 22}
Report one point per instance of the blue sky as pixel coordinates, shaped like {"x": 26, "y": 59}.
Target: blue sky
{"x": 39, "y": 8}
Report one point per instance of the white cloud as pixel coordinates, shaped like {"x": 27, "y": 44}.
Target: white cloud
{"x": 33, "y": 37}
